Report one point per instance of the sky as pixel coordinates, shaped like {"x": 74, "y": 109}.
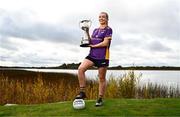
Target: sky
{"x": 47, "y": 33}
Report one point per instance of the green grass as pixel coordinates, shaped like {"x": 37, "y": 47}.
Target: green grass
{"x": 112, "y": 107}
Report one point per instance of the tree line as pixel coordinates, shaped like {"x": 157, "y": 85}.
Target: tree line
{"x": 119, "y": 67}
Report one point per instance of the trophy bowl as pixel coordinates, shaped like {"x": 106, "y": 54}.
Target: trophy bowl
{"x": 85, "y": 25}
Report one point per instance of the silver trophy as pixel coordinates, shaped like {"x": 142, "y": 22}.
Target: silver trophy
{"x": 85, "y": 25}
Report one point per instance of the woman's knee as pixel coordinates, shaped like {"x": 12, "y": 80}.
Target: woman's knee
{"x": 102, "y": 79}
{"x": 81, "y": 69}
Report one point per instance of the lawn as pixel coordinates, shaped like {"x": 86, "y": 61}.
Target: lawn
{"x": 111, "y": 107}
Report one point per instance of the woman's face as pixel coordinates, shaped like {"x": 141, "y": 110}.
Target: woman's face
{"x": 102, "y": 18}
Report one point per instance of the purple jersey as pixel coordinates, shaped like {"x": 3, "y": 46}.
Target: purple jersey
{"x": 98, "y": 37}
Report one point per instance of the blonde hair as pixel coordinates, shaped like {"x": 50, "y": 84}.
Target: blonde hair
{"x": 107, "y": 16}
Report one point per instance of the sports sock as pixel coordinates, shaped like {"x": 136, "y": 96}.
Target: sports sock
{"x": 82, "y": 89}
{"x": 100, "y": 96}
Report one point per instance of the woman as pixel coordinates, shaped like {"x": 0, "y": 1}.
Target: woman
{"x": 98, "y": 56}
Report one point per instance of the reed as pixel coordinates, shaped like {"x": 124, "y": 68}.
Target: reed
{"x": 32, "y": 87}
{"x": 25, "y": 87}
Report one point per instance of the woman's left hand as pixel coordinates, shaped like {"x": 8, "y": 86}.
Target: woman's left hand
{"x": 91, "y": 46}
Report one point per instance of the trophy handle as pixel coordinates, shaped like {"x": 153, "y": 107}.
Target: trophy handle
{"x": 88, "y": 35}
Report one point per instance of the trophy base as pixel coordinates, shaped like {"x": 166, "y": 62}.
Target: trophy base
{"x": 84, "y": 45}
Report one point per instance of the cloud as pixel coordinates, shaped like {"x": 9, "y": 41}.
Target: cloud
{"x": 20, "y": 26}
{"x": 6, "y": 44}
{"x": 158, "y": 46}
{"x": 144, "y": 32}
{"x": 159, "y": 18}
{"x": 40, "y": 53}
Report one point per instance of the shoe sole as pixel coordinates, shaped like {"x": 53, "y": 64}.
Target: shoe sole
{"x": 98, "y": 105}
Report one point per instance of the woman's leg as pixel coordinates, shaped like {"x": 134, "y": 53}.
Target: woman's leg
{"x": 102, "y": 85}
{"x": 102, "y": 81}
{"x": 81, "y": 72}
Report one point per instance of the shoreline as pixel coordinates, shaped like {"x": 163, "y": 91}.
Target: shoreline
{"x": 22, "y": 68}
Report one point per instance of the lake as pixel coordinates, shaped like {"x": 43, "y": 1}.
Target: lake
{"x": 163, "y": 77}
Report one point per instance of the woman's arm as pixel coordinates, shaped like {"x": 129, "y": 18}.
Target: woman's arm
{"x": 105, "y": 43}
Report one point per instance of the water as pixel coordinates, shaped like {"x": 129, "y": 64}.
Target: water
{"x": 153, "y": 76}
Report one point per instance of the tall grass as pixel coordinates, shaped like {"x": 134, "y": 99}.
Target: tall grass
{"x": 32, "y": 87}
{"x": 123, "y": 86}
{"x": 25, "y": 87}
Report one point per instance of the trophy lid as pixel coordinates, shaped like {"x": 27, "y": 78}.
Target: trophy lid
{"x": 85, "y": 23}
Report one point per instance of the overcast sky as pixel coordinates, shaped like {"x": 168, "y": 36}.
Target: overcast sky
{"x": 47, "y": 33}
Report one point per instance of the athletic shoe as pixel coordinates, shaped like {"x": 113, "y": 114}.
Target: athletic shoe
{"x": 99, "y": 102}
{"x": 81, "y": 95}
